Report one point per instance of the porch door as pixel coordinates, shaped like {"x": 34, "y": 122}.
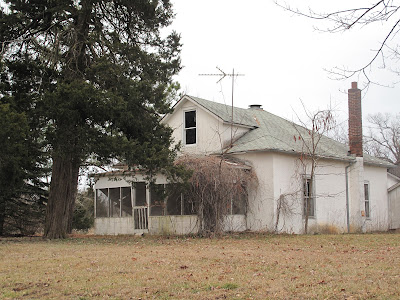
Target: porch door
{"x": 140, "y": 206}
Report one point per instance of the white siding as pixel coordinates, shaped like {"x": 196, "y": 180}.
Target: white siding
{"x": 394, "y": 207}
{"x": 379, "y": 202}
{"x": 212, "y": 133}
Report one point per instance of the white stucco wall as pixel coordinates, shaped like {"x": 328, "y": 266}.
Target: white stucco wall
{"x": 379, "y": 201}
{"x": 260, "y": 213}
{"x": 173, "y": 225}
{"x": 280, "y": 173}
{"x": 329, "y": 191}
{"x": 115, "y": 226}
{"x": 391, "y": 180}
{"x": 394, "y": 207}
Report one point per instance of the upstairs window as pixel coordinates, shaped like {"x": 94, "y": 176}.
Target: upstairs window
{"x": 190, "y": 127}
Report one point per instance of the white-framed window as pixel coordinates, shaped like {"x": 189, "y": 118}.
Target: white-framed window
{"x": 190, "y": 131}
{"x": 367, "y": 205}
{"x": 308, "y": 197}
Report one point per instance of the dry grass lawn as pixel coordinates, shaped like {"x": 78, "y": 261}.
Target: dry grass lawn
{"x": 245, "y": 266}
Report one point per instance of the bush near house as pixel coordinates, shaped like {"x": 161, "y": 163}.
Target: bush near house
{"x": 218, "y": 187}
{"x": 83, "y": 218}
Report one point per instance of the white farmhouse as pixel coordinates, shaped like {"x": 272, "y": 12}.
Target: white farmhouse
{"x": 349, "y": 194}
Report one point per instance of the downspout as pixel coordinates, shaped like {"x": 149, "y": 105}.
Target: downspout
{"x": 347, "y": 195}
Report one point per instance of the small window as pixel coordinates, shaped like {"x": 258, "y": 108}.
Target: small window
{"x": 308, "y": 197}
{"x": 366, "y": 201}
{"x": 190, "y": 127}
{"x": 239, "y": 204}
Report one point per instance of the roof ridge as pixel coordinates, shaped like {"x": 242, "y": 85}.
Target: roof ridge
{"x": 274, "y": 133}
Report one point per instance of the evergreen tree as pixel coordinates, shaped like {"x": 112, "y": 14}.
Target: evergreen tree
{"x": 105, "y": 80}
{"x": 22, "y": 160}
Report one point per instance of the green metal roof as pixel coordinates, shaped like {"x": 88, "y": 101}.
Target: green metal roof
{"x": 269, "y": 132}
{"x": 240, "y": 115}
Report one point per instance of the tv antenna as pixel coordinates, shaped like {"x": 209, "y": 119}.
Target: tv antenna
{"x": 223, "y": 75}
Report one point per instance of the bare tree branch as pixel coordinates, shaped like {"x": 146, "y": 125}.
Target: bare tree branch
{"x": 343, "y": 20}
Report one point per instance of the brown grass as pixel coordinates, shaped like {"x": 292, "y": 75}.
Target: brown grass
{"x": 245, "y": 266}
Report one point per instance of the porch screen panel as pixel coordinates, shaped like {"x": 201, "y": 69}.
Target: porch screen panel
{"x": 126, "y": 203}
{"x": 102, "y": 203}
{"x": 140, "y": 199}
{"x": 174, "y": 203}
{"x": 115, "y": 207}
{"x": 157, "y": 200}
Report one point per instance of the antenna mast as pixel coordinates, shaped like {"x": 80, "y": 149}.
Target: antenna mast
{"x": 223, "y": 75}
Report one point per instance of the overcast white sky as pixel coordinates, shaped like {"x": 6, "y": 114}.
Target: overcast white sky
{"x": 282, "y": 56}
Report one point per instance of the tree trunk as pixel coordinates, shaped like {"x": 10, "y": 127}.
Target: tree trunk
{"x": 71, "y": 217}
{"x": 63, "y": 191}
{"x": 2, "y": 214}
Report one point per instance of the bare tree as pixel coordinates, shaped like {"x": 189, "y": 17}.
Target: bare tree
{"x": 384, "y": 12}
{"x": 383, "y": 139}
{"x": 339, "y": 132}
{"x": 313, "y": 129}
{"x": 217, "y": 188}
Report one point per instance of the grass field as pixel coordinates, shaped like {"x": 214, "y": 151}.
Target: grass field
{"x": 245, "y": 266}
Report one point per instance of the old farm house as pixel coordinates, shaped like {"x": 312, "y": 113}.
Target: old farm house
{"x": 350, "y": 190}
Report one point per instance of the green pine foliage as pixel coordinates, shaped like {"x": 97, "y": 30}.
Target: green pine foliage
{"x": 96, "y": 77}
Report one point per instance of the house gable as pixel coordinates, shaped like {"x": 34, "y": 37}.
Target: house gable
{"x": 211, "y": 129}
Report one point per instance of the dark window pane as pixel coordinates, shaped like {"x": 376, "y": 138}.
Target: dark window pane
{"x": 309, "y": 204}
{"x": 174, "y": 203}
{"x": 126, "y": 202}
{"x": 115, "y": 202}
{"x": 101, "y": 203}
{"x": 310, "y": 207}
{"x": 366, "y": 191}
{"x": 307, "y": 188}
{"x": 190, "y": 119}
{"x": 367, "y": 214}
{"x": 157, "y": 194}
{"x": 190, "y": 136}
{"x": 140, "y": 199}
{"x": 239, "y": 205}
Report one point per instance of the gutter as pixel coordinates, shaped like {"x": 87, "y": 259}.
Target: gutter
{"x": 293, "y": 152}
{"x": 347, "y": 195}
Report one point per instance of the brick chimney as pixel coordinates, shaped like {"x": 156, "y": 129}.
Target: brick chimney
{"x": 355, "y": 121}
